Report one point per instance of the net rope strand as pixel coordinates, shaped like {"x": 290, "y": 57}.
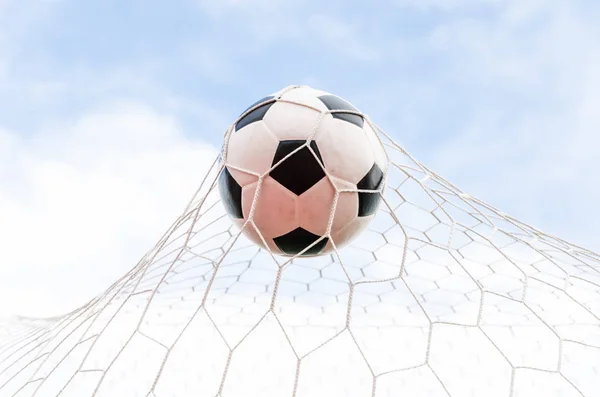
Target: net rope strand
{"x": 443, "y": 295}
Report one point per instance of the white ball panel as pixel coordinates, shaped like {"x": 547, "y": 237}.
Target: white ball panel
{"x": 252, "y": 235}
{"x": 346, "y": 211}
{"x": 290, "y": 121}
{"x": 376, "y": 146}
{"x": 275, "y": 213}
{"x": 342, "y": 185}
{"x": 345, "y": 149}
{"x": 314, "y": 207}
{"x": 252, "y": 148}
{"x": 239, "y": 223}
{"x": 242, "y": 178}
{"x": 346, "y": 208}
{"x": 306, "y": 96}
{"x": 352, "y": 230}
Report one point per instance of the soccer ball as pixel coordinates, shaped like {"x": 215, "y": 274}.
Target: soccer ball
{"x": 303, "y": 172}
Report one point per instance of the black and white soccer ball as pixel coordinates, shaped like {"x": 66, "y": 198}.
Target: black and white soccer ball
{"x": 303, "y": 171}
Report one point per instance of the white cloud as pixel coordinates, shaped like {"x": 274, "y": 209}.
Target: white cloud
{"x": 451, "y": 5}
{"x": 210, "y": 62}
{"x": 341, "y": 37}
{"x": 547, "y": 55}
{"x": 82, "y": 201}
{"x": 4, "y": 4}
{"x": 264, "y": 20}
{"x": 250, "y": 8}
{"x": 304, "y": 22}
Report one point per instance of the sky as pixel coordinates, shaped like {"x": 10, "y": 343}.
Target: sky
{"x": 111, "y": 112}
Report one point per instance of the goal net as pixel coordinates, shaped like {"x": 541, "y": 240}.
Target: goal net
{"x": 443, "y": 295}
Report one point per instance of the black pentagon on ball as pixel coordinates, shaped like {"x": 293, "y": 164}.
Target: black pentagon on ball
{"x": 336, "y": 103}
{"x": 257, "y": 114}
{"x": 297, "y": 240}
{"x": 368, "y": 202}
{"x": 301, "y": 170}
{"x": 231, "y": 194}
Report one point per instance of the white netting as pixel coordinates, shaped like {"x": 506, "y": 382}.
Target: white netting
{"x": 442, "y": 296}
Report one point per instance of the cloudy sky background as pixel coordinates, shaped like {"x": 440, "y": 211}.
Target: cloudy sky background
{"x": 111, "y": 111}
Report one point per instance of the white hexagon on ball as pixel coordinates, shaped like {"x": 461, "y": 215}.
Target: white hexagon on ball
{"x": 318, "y": 168}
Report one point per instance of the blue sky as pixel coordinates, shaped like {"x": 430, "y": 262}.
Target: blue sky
{"x": 501, "y": 97}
